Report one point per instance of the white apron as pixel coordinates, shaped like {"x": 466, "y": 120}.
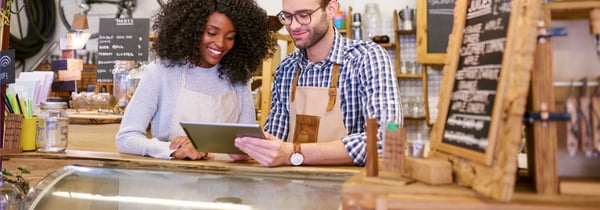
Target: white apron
{"x": 315, "y": 113}
{"x": 195, "y": 106}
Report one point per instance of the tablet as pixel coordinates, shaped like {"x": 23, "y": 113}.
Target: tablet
{"x": 219, "y": 137}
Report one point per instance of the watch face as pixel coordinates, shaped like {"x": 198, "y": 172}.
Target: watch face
{"x": 296, "y": 159}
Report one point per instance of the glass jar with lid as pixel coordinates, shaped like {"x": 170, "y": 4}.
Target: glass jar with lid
{"x": 371, "y": 21}
{"x": 52, "y": 127}
{"x": 120, "y": 74}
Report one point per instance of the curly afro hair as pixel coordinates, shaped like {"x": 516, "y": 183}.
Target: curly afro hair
{"x": 180, "y": 24}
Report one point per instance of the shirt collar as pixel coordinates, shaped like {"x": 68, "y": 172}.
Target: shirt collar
{"x": 336, "y": 54}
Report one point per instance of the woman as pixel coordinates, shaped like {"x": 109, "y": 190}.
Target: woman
{"x": 207, "y": 52}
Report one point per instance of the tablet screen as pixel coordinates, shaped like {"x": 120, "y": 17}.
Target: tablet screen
{"x": 219, "y": 137}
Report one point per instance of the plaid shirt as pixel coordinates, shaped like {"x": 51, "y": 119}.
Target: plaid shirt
{"x": 367, "y": 84}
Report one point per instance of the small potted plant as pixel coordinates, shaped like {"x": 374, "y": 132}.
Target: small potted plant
{"x": 17, "y": 179}
{"x": 13, "y": 189}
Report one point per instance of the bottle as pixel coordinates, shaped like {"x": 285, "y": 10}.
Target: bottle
{"x": 357, "y": 26}
{"x": 338, "y": 19}
{"x": 372, "y": 21}
{"x": 53, "y": 127}
{"x": 416, "y": 146}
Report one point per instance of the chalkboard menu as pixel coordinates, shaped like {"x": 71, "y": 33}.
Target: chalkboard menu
{"x": 484, "y": 92}
{"x": 120, "y": 39}
{"x": 439, "y": 24}
{"x": 435, "y": 20}
{"x": 477, "y": 74}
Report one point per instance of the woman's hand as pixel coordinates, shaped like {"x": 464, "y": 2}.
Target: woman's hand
{"x": 186, "y": 150}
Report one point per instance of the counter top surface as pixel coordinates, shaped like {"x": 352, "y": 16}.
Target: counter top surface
{"x": 362, "y": 192}
{"x": 80, "y": 116}
{"x": 94, "y": 145}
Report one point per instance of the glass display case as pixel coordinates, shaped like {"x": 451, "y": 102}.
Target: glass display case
{"x": 82, "y": 187}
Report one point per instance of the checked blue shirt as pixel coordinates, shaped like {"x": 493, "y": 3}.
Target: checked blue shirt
{"x": 367, "y": 83}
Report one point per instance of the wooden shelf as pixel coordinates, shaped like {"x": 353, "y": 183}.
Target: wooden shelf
{"x": 410, "y": 76}
{"x": 569, "y": 10}
{"x": 48, "y": 67}
{"x": 414, "y": 118}
{"x": 421, "y": 76}
{"x": 406, "y": 32}
{"x": 388, "y": 45}
{"x": 396, "y": 47}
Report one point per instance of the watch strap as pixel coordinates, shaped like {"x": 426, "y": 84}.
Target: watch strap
{"x": 297, "y": 148}
{"x": 296, "y": 158}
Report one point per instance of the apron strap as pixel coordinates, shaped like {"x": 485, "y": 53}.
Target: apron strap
{"x": 294, "y": 83}
{"x": 332, "y": 86}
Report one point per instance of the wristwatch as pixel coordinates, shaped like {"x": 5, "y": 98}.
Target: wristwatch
{"x": 296, "y": 158}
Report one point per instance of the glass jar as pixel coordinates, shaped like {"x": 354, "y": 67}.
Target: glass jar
{"x": 11, "y": 197}
{"x": 371, "y": 21}
{"x": 133, "y": 80}
{"x": 120, "y": 74}
{"x": 53, "y": 127}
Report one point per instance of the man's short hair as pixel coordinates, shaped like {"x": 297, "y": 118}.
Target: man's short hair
{"x": 324, "y": 3}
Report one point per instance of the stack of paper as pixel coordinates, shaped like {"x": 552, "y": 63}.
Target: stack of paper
{"x": 33, "y": 85}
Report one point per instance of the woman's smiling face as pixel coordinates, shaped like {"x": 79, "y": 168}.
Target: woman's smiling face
{"x": 217, "y": 40}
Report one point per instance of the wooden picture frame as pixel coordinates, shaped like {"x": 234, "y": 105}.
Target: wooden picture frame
{"x": 490, "y": 166}
{"x": 432, "y": 42}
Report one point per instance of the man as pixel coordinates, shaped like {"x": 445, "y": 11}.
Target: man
{"x": 323, "y": 93}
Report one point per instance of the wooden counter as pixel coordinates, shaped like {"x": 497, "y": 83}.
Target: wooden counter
{"x": 94, "y": 145}
{"x": 369, "y": 193}
{"x": 94, "y": 117}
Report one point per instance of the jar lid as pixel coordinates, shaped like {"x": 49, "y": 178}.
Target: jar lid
{"x": 53, "y": 105}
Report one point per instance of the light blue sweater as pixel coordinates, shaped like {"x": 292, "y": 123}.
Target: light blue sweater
{"x": 154, "y": 102}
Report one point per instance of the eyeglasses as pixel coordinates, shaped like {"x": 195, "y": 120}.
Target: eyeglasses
{"x": 303, "y": 18}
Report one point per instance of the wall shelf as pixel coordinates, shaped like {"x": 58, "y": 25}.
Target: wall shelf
{"x": 410, "y": 76}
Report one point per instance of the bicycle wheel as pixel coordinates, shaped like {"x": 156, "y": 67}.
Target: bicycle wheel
{"x": 94, "y": 10}
{"x": 162, "y": 2}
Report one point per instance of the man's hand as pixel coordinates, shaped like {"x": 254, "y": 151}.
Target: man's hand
{"x": 269, "y": 152}
{"x": 239, "y": 157}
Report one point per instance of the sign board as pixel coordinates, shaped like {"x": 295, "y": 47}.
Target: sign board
{"x": 7, "y": 66}
{"x": 434, "y": 24}
{"x": 120, "y": 39}
{"x": 469, "y": 122}
{"x": 484, "y": 92}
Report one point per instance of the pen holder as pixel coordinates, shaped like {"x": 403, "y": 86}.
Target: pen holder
{"x": 12, "y": 134}
{"x": 28, "y": 132}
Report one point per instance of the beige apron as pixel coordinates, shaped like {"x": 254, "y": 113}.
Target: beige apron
{"x": 194, "y": 106}
{"x": 315, "y": 113}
